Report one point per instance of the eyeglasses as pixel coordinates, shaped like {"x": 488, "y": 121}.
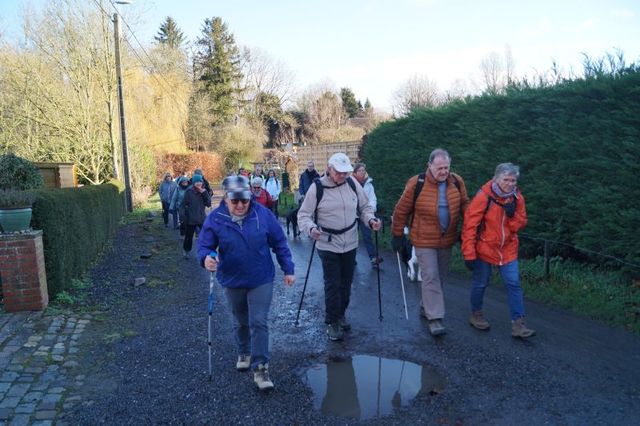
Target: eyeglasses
{"x": 256, "y": 187}
{"x": 234, "y": 202}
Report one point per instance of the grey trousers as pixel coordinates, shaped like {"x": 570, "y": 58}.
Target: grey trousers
{"x": 434, "y": 267}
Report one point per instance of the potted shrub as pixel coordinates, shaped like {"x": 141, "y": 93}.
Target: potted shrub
{"x": 17, "y": 177}
{"x": 15, "y": 210}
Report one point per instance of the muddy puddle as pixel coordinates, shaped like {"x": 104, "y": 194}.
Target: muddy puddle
{"x": 365, "y": 387}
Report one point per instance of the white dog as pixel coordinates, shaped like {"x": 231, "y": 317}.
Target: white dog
{"x": 413, "y": 267}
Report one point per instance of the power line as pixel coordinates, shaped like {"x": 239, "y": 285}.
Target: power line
{"x": 160, "y": 80}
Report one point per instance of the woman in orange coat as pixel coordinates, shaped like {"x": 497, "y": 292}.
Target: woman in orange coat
{"x": 490, "y": 238}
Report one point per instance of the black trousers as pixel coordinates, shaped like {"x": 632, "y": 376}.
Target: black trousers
{"x": 165, "y": 212}
{"x": 338, "y": 275}
{"x": 189, "y": 230}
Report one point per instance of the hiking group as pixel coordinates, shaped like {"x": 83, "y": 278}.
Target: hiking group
{"x": 434, "y": 206}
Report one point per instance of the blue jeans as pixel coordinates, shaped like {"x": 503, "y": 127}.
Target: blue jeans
{"x": 250, "y": 308}
{"x": 511, "y": 278}
{"x": 366, "y": 237}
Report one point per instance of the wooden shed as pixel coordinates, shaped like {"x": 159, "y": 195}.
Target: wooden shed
{"x": 58, "y": 175}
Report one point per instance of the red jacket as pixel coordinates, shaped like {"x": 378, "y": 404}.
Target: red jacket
{"x": 497, "y": 243}
{"x": 264, "y": 198}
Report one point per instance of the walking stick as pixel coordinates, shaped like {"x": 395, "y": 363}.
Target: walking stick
{"x": 404, "y": 296}
{"x": 306, "y": 278}
{"x": 211, "y": 302}
{"x": 379, "y": 291}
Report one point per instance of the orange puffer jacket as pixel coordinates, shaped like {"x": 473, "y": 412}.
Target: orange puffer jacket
{"x": 426, "y": 231}
{"x": 497, "y": 243}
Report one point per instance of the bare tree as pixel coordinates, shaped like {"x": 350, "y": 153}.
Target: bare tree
{"x": 264, "y": 74}
{"x": 492, "y": 69}
{"x": 497, "y": 71}
{"x": 416, "y": 92}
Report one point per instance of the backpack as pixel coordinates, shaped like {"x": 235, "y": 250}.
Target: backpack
{"x": 420, "y": 184}
{"x": 320, "y": 192}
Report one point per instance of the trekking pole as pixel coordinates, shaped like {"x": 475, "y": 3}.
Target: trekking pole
{"x": 404, "y": 296}
{"x": 212, "y": 299}
{"x": 306, "y": 278}
{"x": 378, "y": 268}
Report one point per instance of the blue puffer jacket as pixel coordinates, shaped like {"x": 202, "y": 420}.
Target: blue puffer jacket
{"x": 243, "y": 251}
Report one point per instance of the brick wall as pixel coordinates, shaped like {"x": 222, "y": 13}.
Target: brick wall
{"x": 22, "y": 272}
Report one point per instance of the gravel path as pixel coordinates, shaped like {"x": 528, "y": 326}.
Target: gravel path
{"x": 144, "y": 354}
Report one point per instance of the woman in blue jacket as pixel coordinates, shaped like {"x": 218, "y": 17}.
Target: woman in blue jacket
{"x": 242, "y": 233}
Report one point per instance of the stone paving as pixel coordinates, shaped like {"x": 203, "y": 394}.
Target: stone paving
{"x": 38, "y": 361}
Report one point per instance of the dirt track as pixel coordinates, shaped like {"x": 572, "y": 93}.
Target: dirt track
{"x": 147, "y": 360}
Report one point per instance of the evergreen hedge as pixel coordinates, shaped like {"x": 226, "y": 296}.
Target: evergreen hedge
{"x": 77, "y": 223}
{"x": 577, "y": 143}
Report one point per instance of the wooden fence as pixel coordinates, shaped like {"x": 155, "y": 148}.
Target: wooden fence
{"x": 320, "y": 153}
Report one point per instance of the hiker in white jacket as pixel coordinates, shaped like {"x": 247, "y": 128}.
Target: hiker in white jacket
{"x": 272, "y": 185}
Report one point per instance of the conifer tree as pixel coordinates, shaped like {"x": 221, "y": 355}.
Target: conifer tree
{"x": 349, "y": 102}
{"x": 169, "y": 34}
{"x": 217, "y": 67}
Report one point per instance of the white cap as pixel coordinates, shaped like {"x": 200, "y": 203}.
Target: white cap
{"x": 340, "y": 162}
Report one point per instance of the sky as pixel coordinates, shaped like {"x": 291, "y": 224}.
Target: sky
{"x": 373, "y": 46}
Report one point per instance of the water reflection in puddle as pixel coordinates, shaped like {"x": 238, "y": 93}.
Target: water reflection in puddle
{"x": 364, "y": 387}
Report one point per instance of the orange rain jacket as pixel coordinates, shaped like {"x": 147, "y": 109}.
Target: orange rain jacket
{"x": 497, "y": 243}
{"x": 426, "y": 231}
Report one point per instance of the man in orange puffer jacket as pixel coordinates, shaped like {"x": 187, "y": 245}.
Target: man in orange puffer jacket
{"x": 490, "y": 238}
{"x": 433, "y": 222}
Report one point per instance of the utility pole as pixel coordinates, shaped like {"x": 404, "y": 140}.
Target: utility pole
{"x": 123, "y": 131}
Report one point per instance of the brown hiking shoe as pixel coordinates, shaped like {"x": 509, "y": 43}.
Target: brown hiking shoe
{"x": 477, "y": 320}
{"x": 519, "y": 329}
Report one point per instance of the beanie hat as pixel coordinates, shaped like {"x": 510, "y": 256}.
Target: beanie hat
{"x": 196, "y": 178}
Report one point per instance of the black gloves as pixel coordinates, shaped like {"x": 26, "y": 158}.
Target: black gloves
{"x": 397, "y": 243}
{"x": 509, "y": 209}
{"x": 469, "y": 264}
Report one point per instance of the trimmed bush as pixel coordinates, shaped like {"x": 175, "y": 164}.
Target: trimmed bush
{"x": 77, "y": 223}
{"x": 176, "y": 164}
{"x": 577, "y": 144}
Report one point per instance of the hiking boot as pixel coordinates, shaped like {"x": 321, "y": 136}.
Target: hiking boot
{"x": 477, "y": 320}
{"x": 344, "y": 325}
{"x": 334, "y": 331}
{"x": 261, "y": 377}
{"x": 436, "y": 328}
{"x": 244, "y": 362}
{"x": 520, "y": 329}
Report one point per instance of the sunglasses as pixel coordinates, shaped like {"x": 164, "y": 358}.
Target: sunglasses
{"x": 234, "y": 202}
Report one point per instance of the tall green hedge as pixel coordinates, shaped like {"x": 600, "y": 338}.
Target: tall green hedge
{"x": 76, "y": 225}
{"x": 578, "y": 145}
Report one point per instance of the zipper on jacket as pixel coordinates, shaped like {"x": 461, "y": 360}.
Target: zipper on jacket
{"x": 502, "y": 237}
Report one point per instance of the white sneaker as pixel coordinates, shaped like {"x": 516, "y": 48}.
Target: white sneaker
{"x": 244, "y": 362}
{"x": 261, "y": 377}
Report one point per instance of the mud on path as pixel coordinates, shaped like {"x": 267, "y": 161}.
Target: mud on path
{"x": 144, "y": 356}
